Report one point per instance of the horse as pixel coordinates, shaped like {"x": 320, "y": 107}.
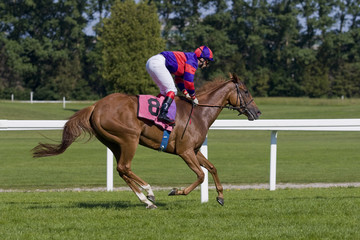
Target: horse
{"x": 113, "y": 121}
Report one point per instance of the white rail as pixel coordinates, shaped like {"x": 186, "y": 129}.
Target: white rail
{"x": 20, "y": 125}
{"x": 352, "y": 124}
{"x": 274, "y": 126}
{"x": 268, "y": 125}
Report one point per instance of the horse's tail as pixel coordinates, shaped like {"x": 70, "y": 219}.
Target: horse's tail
{"x": 74, "y": 127}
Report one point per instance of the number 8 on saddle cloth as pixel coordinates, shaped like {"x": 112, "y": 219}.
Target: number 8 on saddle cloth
{"x": 149, "y": 108}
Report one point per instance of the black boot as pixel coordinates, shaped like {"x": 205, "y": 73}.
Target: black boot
{"x": 164, "y": 110}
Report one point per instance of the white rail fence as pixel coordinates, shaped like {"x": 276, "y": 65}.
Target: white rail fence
{"x": 265, "y": 125}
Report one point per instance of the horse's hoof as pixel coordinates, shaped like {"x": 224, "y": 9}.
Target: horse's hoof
{"x": 173, "y": 192}
{"x": 151, "y": 198}
{"x": 153, "y": 206}
{"x": 220, "y": 201}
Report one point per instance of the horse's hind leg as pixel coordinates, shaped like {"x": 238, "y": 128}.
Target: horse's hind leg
{"x": 211, "y": 168}
{"x": 144, "y": 185}
{"x": 124, "y": 159}
{"x": 138, "y": 192}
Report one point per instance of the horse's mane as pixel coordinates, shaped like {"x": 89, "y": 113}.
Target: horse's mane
{"x": 210, "y": 86}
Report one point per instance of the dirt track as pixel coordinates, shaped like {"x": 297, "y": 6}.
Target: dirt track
{"x": 226, "y": 186}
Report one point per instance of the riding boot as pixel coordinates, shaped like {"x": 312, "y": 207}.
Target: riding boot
{"x": 164, "y": 110}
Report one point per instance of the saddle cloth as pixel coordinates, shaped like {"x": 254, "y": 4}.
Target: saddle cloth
{"x": 149, "y": 108}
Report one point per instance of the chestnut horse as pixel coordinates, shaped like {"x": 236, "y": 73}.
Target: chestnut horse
{"x": 113, "y": 120}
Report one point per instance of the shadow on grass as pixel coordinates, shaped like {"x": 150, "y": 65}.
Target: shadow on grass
{"x": 72, "y": 109}
{"x": 114, "y": 205}
{"x": 92, "y": 205}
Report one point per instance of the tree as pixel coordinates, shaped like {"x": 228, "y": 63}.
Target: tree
{"x": 346, "y": 82}
{"x": 316, "y": 81}
{"x": 45, "y": 45}
{"x": 279, "y": 47}
{"x": 69, "y": 74}
{"x": 282, "y": 48}
{"x": 130, "y": 36}
{"x": 176, "y": 16}
{"x": 190, "y": 24}
{"x": 213, "y": 32}
{"x": 99, "y": 9}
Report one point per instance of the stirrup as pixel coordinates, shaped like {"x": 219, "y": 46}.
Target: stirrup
{"x": 165, "y": 119}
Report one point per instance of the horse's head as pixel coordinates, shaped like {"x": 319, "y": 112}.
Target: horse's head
{"x": 242, "y": 100}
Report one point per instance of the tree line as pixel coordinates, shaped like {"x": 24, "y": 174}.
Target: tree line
{"x": 279, "y": 47}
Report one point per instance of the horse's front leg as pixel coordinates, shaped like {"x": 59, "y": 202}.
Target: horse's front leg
{"x": 190, "y": 158}
{"x": 211, "y": 168}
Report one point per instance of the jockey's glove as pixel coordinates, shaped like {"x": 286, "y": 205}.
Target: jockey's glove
{"x": 194, "y": 100}
{"x": 187, "y": 95}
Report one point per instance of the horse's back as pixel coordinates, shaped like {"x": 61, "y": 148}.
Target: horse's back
{"x": 117, "y": 112}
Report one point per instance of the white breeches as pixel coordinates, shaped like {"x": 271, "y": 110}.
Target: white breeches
{"x": 155, "y": 66}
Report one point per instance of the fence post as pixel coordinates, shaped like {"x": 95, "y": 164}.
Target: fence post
{"x": 109, "y": 170}
{"x": 273, "y": 150}
{"x": 205, "y": 184}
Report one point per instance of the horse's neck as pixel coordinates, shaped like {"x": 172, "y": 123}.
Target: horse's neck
{"x": 216, "y": 97}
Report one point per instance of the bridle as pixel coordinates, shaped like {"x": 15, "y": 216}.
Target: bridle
{"x": 243, "y": 108}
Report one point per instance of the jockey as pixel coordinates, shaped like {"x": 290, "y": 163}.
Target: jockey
{"x": 183, "y": 66}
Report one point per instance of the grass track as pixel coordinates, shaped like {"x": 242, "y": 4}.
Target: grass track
{"x": 248, "y": 214}
{"x": 241, "y": 157}
{"x": 329, "y": 157}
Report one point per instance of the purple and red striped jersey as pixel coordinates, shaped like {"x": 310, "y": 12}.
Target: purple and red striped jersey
{"x": 183, "y": 65}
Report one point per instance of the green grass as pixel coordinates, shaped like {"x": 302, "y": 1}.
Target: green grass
{"x": 39, "y": 111}
{"x": 271, "y": 108}
{"x": 241, "y": 157}
{"x": 248, "y": 214}
{"x": 83, "y": 164}
{"x": 303, "y": 108}
{"x": 302, "y": 157}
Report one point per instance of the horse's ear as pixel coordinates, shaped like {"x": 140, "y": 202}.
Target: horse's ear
{"x": 235, "y": 78}
{"x": 231, "y": 76}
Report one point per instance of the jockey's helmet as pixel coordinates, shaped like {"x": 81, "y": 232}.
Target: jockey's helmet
{"x": 204, "y": 52}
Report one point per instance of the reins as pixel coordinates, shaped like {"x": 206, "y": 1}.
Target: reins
{"x": 242, "y": 108}
{"x": 218, "y": 106}
{"x": 192, "y": 108}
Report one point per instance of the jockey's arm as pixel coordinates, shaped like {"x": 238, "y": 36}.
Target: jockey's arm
{"x": 189, "y": 88}
{"x": 189, "y": 78}
{"x": 180, "y": 83}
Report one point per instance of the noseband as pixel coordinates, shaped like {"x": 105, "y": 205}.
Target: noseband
{"x": 243, "y": 104}
{"x": 243, "y": 108}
